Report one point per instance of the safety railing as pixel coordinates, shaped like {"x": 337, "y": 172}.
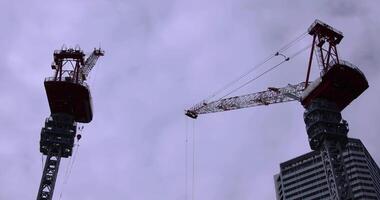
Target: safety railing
{"x": 67, "y": 79}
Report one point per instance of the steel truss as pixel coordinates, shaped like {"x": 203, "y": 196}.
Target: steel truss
{"x": 327, "y": 133}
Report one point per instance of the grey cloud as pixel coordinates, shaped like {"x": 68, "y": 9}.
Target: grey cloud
{"x": 162, "y": 56}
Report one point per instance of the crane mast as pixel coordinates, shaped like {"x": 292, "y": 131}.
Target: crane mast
{"x": 70, "y": 102}
{"x": 340, "y": 82}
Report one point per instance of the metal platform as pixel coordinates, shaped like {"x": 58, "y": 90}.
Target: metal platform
{"x": 323, "y": 29}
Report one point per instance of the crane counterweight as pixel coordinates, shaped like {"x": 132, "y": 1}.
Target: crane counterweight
{"x": 341, "y": 83}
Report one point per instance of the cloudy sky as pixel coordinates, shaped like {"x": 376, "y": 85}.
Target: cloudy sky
{"x": 162, "y": 57}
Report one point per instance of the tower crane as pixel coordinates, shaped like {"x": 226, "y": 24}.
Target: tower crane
{"x": 70, "y": 102}
{"x": 340, "y": 82}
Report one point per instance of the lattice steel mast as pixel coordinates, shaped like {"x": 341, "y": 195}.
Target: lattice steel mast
{"x": 70, "y": 102}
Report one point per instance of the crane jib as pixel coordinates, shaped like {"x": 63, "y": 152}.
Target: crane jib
{"x": 270, "y": 96}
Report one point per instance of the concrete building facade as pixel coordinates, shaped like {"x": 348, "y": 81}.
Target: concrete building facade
{"x": 304, "y": 177}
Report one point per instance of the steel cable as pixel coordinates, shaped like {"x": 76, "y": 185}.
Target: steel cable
{"x": 186, "y": 158}
{"x": 266, "y": 71}
{"x": 257, "y": 66}
{"x": 193, "y": 176}
{"x": 68, "y": 170}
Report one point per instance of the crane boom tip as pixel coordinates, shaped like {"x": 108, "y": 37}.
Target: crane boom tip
{"x": 98, "y": 52}
{"x": 191, "y": 114}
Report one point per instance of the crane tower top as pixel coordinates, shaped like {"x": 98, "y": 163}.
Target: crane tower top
{"x": 340, "y": 81}
{"x": 67, "y": 90}
{"x": 324, "y": 30}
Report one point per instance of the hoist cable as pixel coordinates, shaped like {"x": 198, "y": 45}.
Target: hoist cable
{"x": 193, "y": 176}
{"x": 186, "y": 158}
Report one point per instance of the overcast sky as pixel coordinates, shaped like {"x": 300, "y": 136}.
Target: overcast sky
{"x": 162, "y": 57}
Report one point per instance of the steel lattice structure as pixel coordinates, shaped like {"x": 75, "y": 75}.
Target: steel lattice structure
{"x": 270, "y": 96}
{"x": 49, "y": 177}
{"x": 327, "y": 133}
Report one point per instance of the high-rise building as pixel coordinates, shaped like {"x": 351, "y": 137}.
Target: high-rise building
{"x": 304, "y": 177}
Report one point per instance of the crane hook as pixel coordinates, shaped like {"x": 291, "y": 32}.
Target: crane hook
{"x": 79, "y": 136}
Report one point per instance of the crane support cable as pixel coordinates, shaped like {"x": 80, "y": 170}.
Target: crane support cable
{"x": 267, "y": 71}
{"x": 240, "y": 77}
{"x": 272, "y": 95}
{"x": 208, "y": 107}
{"x": 293, "y": 42}
{"x": 257, "y": 66}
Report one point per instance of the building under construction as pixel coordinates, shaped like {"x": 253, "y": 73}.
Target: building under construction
{"x": 304, "y": 177}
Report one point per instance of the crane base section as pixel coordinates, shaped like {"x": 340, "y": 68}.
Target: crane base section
{"x": 324, "y": 122}
{"x": 69, "y": 98}
{"x": 341, "y": 84}
{"x": 57, "y": 137}
{"x": 57, "y": 141}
